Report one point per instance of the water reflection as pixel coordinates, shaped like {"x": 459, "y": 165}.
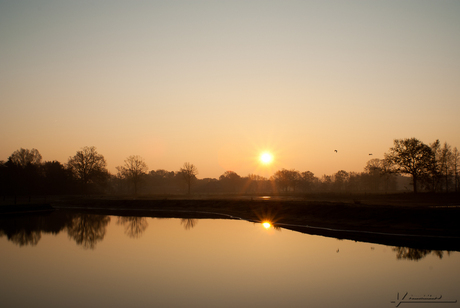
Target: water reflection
{"x": 406, "y": 253}
{"x": 87, "y": 229}
{"x": 134, "y": 226}
{"x": 268, "y": 215}
{"x": 26, "y": 237}
{"x": 27, "y": 230}
{"x": 188, "y": 223}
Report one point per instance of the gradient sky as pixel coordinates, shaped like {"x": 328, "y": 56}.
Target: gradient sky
{"x": 216, "y": 82}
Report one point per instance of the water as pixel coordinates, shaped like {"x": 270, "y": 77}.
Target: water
{"x": 107, "y": 261}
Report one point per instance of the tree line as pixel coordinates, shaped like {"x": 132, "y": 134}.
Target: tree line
{"x": 408, "y": 165}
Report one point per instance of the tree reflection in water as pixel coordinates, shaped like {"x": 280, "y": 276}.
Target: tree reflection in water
{"x": 406, "y": 253}
{"x": 88, "y": 229}
{"x": 134, "y": 226}
{"x": 188, "y": 223}
{"x": 26, "y": 237}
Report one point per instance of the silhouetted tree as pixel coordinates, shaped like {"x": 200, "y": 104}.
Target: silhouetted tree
{"x": 133, "y": 170}
{"x": 208, "y": 185}
{"x": 308, "y": 180}
{"x": 256, "y": 184}
{"x": 189, "y": 172}
{"x": 88, "y": 166}
{"x": 326, "y": 182}
{"x": 3, "y": 179}
{"x": 340, "y": 180}
{"x": 411, "y": 156}
{"x": 162, "y": 181}
{"x": 24, "y": 171}
{"x": 285, "y": 179}
{"x": 230, "y": 181}
{"x": 57, "y": 178}
{"x": 444, "y": 162}
{"x": 454, "y": 167}
{"x": 24, "y": 157}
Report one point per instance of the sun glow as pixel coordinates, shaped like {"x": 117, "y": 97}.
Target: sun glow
{"x": 266, "y": 225}
{"x": 266, "y": 158}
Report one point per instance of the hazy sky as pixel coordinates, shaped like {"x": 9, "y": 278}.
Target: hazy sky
{"x": 216, "y": 82}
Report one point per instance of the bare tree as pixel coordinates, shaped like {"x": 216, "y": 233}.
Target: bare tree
{"x": 286, "y": 179}
{"x": 24, "y": 157}
{"x": 455, "y": 160}
{"x": 411, "y": 156}
{"x": 445, "y": 162}
{"x": 133, "y": 170}
{"x": 87, "y": 165}
{"x": 189, "y": 172}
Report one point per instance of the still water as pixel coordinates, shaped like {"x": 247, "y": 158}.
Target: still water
{"x": 80, "y": 260}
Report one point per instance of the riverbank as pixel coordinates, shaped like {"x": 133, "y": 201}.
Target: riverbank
{"x": 426, "y": 226}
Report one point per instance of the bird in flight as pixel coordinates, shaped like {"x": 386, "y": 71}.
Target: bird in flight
{"x": 335, "y": 151}
{"x": 370, "y": 154}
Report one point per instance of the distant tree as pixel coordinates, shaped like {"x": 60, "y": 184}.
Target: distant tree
{"x": 341, "y": 180}
{"x": 308, "y": 180}
{"x": 256, "y": 184}
{"x": 162, "y": 181}
{"x": 379, "y": 176}
{"x": 88, "y": 166}
{"x": 326, "y": 182}
{"x": 24, "y": 171}
{"x": 441, "y": 172}
{"x": 356, "y": 181}
{"x": 57, "y": 178}
{"x": 286, "y": 179}
{"x": 444, "y": 159}
{"x": 133, "y": 170}
{"x": 189, "y": 172}
{"x": 208, "y": 185}
{"x": 24, "y": 157}
{"x": 230, "y": 181}
{"x": 3, "y": 179}
{"x": 411, "y": 156}
{"x": 454, "y": 167}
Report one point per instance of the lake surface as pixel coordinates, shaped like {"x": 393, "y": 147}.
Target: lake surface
{"x": 82, "y": 260}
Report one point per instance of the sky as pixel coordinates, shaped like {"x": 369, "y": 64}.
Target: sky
{"x": 216, "y": 83}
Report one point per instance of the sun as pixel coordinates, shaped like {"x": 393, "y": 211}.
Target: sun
{"x": 266, "y": 158}
{"x": 266, "y": 224}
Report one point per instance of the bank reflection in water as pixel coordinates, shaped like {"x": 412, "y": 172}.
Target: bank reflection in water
{"x": 88, "y": 230}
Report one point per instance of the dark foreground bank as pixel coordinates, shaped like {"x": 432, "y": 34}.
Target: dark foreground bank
{"x": 416, "y": 226}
